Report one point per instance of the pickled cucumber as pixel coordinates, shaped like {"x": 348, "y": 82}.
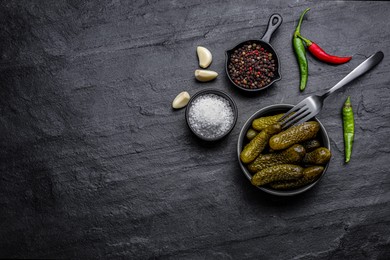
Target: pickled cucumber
{"x": 294, "y": 154}
{"x": 257, "y": 144}
{"x": 281, "y": 172}
{"x": 251, "y": 134}
{"x": 310, "y": 174}
{"x": 294, "y": 135}
{"x": 263, "y": 122}
{"x": 318, "y": 156}
{"x": 311, "y": 145}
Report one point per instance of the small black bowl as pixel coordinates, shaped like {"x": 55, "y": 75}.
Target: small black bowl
{"x": 274, "y": 22}
{"x": 218, "y": 93}
{"x": 269, "y": 111}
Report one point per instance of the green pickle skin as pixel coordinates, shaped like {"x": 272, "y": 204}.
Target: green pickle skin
{"x": 319, "y": 156}
{"x": 311, "y": 145}
{"x": 292, "y": 155}
{"x": 251, "y": 134}
{"x": 293, "y": 135}
{"x": 257, "y": 144}
{"x": 281, "y": 172}
{"x": 262, "y": 123}
{"x": 310, "y": 174}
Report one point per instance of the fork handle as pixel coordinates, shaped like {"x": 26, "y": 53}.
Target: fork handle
{"x": 364, "y": 67}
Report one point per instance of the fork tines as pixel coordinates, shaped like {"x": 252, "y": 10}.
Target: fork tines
{"x": 298, "y": 114}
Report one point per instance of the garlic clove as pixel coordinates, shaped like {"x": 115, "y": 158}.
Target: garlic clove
{"x": 204, "y": 56}
{"x": 181, "y": 100}
{"x": 205, "y": 75}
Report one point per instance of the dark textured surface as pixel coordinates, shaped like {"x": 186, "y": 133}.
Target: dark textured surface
{"x": 94, "y": 162}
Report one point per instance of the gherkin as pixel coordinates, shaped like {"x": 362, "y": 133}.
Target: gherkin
{"x": 293, "y": 135}
{"x": 281, "y": 172}
{"x": 318, "y": 156}
{"x": 311, "y": 145}
{"x": 257, "y": 144}
{"x": 310, "y": 174}
{"x": 262, "y": 123}
{"x": 251, "y": 133}
{"x": 294, "y": 154}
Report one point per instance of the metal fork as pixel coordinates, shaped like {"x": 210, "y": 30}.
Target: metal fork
{"x": 311, "y": 106}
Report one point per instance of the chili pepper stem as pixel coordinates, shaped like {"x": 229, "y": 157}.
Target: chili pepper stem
{"x": 307, "y": 41}
{"x": 298, "y": 29}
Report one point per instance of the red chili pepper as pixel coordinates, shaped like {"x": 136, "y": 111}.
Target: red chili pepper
{"x": 320, "y": 54}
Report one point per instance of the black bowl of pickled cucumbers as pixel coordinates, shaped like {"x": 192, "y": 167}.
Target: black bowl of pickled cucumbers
{"x": 283, "y": 162}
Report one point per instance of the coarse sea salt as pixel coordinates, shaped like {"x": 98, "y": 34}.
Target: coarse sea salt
{"x": 210, "y": 115}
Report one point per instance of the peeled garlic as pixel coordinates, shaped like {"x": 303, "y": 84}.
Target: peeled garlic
{"x": 204, "y": 56}
{"x": 205, "y": 75}
{"x": 181, "y": 100}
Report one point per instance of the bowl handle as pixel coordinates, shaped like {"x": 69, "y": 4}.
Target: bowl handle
{"x": 274, "y": 22}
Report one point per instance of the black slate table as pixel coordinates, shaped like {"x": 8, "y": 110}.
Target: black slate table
{"x": 94, "y": 162}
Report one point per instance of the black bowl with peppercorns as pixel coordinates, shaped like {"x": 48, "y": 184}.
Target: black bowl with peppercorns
{"x": 254, "y": 65}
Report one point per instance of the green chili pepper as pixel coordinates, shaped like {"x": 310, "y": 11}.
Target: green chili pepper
{"x": 349, "y": 128}
{"x": 300, "y": 53}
